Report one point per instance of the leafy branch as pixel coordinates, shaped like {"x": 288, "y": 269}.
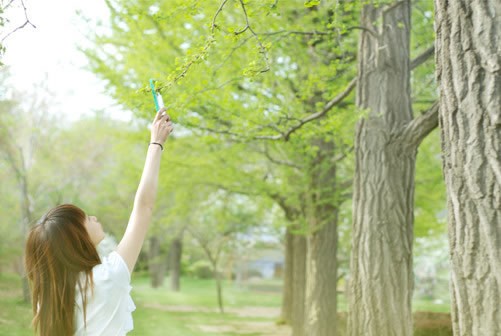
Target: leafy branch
{"x": 336, "y": 100}
{"x": 262, "y": 48}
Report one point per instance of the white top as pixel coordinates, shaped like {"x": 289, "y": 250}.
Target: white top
{"x": 109, "y": 309}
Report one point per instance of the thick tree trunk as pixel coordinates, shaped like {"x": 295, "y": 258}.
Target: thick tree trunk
{"x": 298, "y": 284}
{"x": 176, "y": 250}
{"x": 469, "y": 74}
{"x": 288, "y": 273}
{"x": 156, "y": 262}
{"x": 321, "y": 261}
{"x": 321, "y": 279}
{"x": 381, "y": 281}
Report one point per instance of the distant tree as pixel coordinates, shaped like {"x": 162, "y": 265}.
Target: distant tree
{"x": 23, "y": 124}
{"x": 217, "y": 227}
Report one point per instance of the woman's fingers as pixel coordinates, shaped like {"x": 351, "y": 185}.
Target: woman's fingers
{"x": 160, "y": 113}
{"x": 170, "y": 127}
{"x": 164, "y": 117}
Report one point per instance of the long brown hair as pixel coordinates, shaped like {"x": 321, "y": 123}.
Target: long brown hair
{"x": 58, "y": 249}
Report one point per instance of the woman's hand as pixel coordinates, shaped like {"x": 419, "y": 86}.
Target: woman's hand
{"x": 161, "y": 127}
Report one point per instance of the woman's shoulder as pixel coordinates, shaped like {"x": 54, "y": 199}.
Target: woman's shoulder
{"x": 112, "y": 268}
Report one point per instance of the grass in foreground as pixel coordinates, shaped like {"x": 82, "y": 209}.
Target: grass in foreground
{"x": 191, "y": 312}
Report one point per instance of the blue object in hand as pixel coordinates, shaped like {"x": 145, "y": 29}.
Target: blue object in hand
{"x": 157, "y": 98}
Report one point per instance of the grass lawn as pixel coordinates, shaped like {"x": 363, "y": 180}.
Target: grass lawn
{"x": 250, "y": 311}
{"x": 15, "y": 316}
{"x": 192, "y": 312}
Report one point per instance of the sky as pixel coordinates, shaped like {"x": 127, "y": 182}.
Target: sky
{"x": 49, "y": 54}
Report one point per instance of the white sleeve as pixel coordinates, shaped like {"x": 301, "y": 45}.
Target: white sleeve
{"x": 114, "y": 269}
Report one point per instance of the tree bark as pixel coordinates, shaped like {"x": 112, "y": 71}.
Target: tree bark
{"x": 175, "y": 255}
{"x": 469, "y": 75}
{"x": 381, "y": 281}
{"x": 298, "y": 284}
{"x": 321, "y": 261}
{"x": 321, "y": 280}
{"x": 156, "y": 263}
{"x": 287, "y": 292}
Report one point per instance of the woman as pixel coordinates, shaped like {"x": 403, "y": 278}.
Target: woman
{"x": 74, "y": 292}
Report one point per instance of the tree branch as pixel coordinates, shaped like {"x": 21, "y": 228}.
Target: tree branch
{"x": 261, "y": 46}
{"x": 266, "y": 153}
{"x": 414, "y": 63}
{"x": 421, "y": 126}
{"x": 295, "y": 32}
{"x": 233, "y": 50}
{"x": 290, "y": 212}
{"x": 213, "y": 88}
{"x": 8, "y": 5}
{"x": 213, "y": 25}
{"x": 370, "y": 31}
{"x": 27, "y": 22}
{"x": 423, "y": 57}
{"x": 336, "y": 100}
{"x": 343, "y": 154}
{"x": 232, "y": 189}
{"x": 204, "y": 244}
{"x": 236, "y": 136}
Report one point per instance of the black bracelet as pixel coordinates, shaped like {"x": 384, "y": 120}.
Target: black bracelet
{"x": 156, "y": 143}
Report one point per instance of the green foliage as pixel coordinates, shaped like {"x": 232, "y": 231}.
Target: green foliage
{"x": 226, "y": 81}
{"x": 22, "y": 153}
{"x": 200, "y": 270}
{"x": 252, "y": 74}
{"x": 312, "y": 3}
{"x": 430, "y": 195}
{"x": 241, "y": 86}
{"x": 233, "y": 74}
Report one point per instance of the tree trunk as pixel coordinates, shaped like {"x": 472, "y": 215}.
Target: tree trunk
{"x": 26, "y": 219}
{"x": 321, "y": 279}
{"x": 217, "y": 276}
{"x": 287, "y": 293}
{"x": 20, "y": 166}
{"x": 156, "y": 263}
{"x": 175, "y": 255}
{"x": 219, "y": 290}
{"x": 468, "y": 72}
{"x": 321, "y": 261}
{"x": 298, "y": 285}
{"x": 381, "y": 260}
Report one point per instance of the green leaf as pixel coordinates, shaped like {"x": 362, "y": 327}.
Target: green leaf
{"x": 312, "y": 3}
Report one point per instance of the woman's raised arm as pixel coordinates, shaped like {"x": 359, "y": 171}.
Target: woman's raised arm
{"x": 140, "y": 218}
